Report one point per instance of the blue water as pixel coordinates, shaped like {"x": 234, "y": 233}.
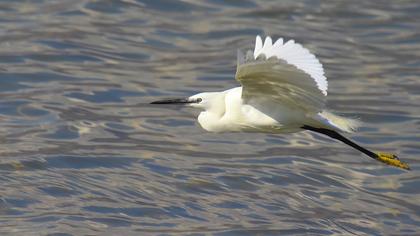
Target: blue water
{"x": 82, "y": 152}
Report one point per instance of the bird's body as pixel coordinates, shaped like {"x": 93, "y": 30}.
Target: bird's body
{"x": 283, "y": 91}
{"x": 283, "y": 88}
{"x": 232, "y": 114}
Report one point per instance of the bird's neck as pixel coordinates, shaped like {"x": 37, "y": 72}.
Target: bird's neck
{"x": 211, "y": 121}
{"x": 212, "y": 118}
{"x": 224, "y": 107}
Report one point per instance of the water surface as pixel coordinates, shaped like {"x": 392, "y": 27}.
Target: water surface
{"x": 83, "y": 154}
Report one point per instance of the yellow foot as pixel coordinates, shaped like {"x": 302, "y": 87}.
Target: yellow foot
{"x": 391, "y": 159}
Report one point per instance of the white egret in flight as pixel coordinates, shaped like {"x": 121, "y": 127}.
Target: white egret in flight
{"x": 283, "y": 91}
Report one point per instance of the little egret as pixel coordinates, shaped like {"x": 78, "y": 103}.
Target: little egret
{"x": 283, "y": 91}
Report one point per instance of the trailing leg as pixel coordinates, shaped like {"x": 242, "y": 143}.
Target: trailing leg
{"x": 386, "y": 158}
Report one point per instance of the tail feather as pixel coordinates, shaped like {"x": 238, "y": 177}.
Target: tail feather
{"x": 337, "y": 122}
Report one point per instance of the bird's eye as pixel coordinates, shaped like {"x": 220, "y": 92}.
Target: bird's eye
{"x": 199, "y": 100}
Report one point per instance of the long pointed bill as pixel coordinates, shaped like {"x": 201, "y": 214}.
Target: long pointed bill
{"x": 177, "y": 101}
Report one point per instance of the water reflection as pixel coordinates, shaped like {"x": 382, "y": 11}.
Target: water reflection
{"x": 83, "y": 152}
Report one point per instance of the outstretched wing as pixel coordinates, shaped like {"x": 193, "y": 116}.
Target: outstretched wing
{"x": 285, "y": 73}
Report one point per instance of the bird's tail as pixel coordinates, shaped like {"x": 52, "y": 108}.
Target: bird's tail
{"x": 336, "y": 122}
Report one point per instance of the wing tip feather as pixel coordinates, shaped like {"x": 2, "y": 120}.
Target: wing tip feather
{"x": 292, "y": 52}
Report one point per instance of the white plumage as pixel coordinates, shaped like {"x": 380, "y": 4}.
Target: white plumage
{"x": 294, "y": 54}
{"x": 283, "y": 90}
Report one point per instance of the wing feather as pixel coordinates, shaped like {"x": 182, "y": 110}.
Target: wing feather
{"x": 285, "y": 72}
{"x": 294, "y": 54}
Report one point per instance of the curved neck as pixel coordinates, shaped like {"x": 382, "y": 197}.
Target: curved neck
{"x": 209, "y": 121}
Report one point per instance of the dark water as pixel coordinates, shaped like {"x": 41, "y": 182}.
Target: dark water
{"x": 82, "y": 154}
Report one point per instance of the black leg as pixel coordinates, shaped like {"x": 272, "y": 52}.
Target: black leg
{"x": 387, "y": 158}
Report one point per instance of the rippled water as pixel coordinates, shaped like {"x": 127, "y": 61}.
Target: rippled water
{"x": 83, "y": 154}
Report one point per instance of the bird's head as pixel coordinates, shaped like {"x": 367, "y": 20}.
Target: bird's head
{"x": 205, "y": 101}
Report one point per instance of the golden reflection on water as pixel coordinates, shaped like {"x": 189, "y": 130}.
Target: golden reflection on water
{"x": 84, "y": 153}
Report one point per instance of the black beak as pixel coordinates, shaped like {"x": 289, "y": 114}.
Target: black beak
{"x": 177, "y": 101}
